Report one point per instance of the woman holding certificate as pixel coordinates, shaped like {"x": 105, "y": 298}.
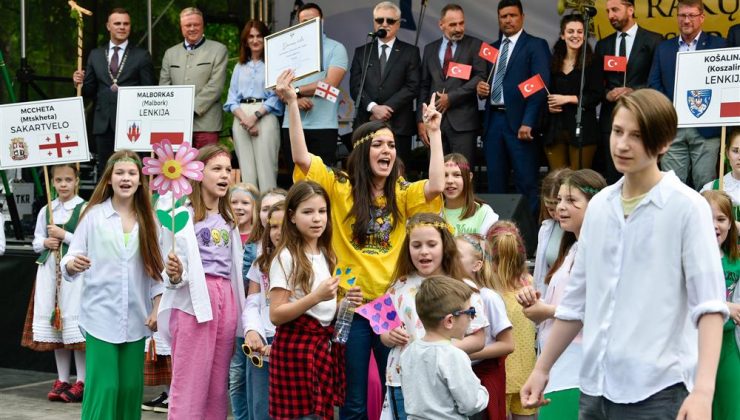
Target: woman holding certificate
{"x": 255, "y": 131}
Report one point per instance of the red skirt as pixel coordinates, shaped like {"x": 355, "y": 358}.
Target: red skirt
{"x": 306, "y": 371}
{"x": 492, "y": 375}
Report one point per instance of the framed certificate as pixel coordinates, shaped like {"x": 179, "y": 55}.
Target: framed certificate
{"x": 298, "y": 47}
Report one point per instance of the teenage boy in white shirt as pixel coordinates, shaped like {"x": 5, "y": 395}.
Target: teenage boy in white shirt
{"x": 645, "y": 278}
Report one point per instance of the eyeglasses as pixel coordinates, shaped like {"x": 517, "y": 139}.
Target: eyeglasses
{"x": 390, "y": 21}
{"x": 253, "y": 356}
{"x": 470, "y": 311}
{"x": 684, "y": 16}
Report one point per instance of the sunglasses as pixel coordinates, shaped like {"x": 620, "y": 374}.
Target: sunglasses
{"x": 252, "y": 355}
{"x": 389, "y": 21}
{"x": 470, "y": 311}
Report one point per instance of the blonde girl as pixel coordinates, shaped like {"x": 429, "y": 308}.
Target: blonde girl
{"x": 462, "y": 210}
{"x": 429, "y": 249}
{"x": 244, "y": 203}
{"x": 116, "y": 255}
{"x": 488, "y": 364}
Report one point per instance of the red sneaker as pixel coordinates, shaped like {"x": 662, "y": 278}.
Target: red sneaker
{"x": 74, "y": 393}
{"x": 56, "y": 390}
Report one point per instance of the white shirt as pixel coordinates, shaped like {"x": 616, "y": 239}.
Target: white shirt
{"x": 122, "y": 47}
{"x": 438, "y": 382}
{"x": 512, "y": 43}
{"x": 116, "y": 291}
{"x": 731, "y": 187}
{"x": 280, "y": 271}
{"x": 257, "y": 312}
{"x": 61, "y": 213}
{"x": 541, "y": 267}
{"x": 650, "y": 278}
{"x": 495, "y": 312}
{"x": 629, "y": 41}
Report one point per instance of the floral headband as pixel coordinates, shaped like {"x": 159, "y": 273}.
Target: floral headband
{"x": 372, "y": 135}
{"x": 461, "y": 165}
{"x": 498, "y": 230}
{"x": 589, "y": 190}
{"x": 438, "y": 225}
{"x": 126, "y": 159}
{"x": 475, "y": 241}
{"x": 232, "y": 190}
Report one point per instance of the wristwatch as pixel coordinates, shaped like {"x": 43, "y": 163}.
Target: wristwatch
{"x": 258, "y": 114}
{"x": 298, "y": 92}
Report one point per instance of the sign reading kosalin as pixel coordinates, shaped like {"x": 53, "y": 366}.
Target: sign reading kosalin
{"x": 43, "y": 133}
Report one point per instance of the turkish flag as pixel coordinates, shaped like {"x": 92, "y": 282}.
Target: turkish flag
{"x": 615, "y": 63}
{"x": 488, "y": 53}
{"x": 459, "y": 71}
{"x": 531, "y": 86}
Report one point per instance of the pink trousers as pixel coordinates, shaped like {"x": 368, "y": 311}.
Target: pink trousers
{"x": 201, "y": 354}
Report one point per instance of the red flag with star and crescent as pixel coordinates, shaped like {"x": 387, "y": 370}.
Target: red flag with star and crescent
{"x": 57, "y": 145}
{"x": 531, "y": 86}
{"x": 459, "y": 70}
{"x": 615, "y": 63}
{"x": 488, "y": 53}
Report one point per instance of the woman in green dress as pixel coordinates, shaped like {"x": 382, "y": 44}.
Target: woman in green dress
{"x": 726, "y": 403}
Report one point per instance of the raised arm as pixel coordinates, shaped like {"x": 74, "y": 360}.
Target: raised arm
{"x": 432, "y": 119}
{"x": 298, "y": 148}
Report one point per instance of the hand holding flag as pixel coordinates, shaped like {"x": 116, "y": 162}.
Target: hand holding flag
{"x": 488, "y": 53}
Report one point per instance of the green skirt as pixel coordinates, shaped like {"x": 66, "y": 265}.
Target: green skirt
{"x": 726, "y": 403}
{"x": 563, "y": 405}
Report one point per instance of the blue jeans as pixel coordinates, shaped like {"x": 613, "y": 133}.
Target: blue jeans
{"x": 362, "y": 339}
{"x": 504, "y": 152}
{"x": 257, "y": 390}
{"x": 396, "y": 402}
{"x": 237, "y": 382}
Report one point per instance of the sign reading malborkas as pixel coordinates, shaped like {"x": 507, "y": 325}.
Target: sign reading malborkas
{"x": 707, "y": 88}
{"x": 42, "y": 133}
{"x": 147, "y": 115}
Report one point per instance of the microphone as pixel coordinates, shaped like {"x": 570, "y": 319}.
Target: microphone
{"x": 589, "y": 10}
{"x": 380, "y": 33}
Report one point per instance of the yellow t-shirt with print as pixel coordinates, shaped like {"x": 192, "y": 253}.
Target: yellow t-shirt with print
{"x": 372, "y": 263}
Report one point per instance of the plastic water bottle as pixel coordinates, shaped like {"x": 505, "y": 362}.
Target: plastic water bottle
{"x": 344, "y": 321}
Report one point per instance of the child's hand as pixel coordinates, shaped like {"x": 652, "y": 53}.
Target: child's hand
{"x": 539, "y": 311}
{"x": 395, "y": 337}
{"x": 52, "y": 243}
{"x": 697, "y": 406}
{"x": 55, "y": 231}
{"x": 527, "y": 296}
{"x": 266, "y": 350}
{"x": 254, "y": 341}
{"x": 327, "y": 290}
{"x": 284, "y": 89}
{"x": 734, "y": 312}
{"x": 151, "y": 320}
{"x": 431, "y": 117}
{"x": 79, "y": 264}
{"x": 532, "y": 393}
{"x": 173, "y": 268}
{"x": 354, "y": 295}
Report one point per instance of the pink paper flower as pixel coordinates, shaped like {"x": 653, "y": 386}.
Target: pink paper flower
{"x": 173, "y": 169}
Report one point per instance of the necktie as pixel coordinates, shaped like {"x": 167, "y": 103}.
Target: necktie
{"x": 623, "y": 45}
{"x": 498, "y": 84}
{"x": 114, "y": 61}
{"x": 447, "y": 58}
{"x": 383, "y": 58}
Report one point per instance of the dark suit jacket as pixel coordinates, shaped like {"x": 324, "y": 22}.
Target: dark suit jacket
{"x": 462, "y": 113}
{"x": 137, "y": 71}
{"x": 733, "y": 36}
{"x": 663, "y": 72}
{"x": 638, "y": 68}
{"x": 397, "y": 87}
{"x": 530, "y": 56}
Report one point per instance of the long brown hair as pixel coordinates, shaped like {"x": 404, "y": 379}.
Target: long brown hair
{"x": 360, "y": 177}
{"x": 549, "y": 189}
{"x": 245, "y": 54}
{"x": 560, "y": 49}
{"x": 471, "y": 204}
{"x": 267, "y": 253}
{"x": 508, "y": 255}
{"x": 588, "y": 182}
{"x": 148, "y": 231}
{"x": 196, "y": 197}
{"x": 292, "y": 240}
{"x": 450, "y": 255}
{"x": 724, "y": 204}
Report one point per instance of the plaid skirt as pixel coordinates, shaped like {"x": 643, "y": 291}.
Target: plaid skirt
{"x": 27, "y": 337}
{"x": 157, "y": 371}
{"x": 306, "y": 372}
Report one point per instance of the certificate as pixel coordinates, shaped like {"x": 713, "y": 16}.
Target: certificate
{"x": 298, "y": 48}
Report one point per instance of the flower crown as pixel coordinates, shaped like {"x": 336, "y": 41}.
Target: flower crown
{"x": 589, "y": 190}
{"x": 438, "y": 225}
{"x": 127, "y": 159}
{"x": 461, "y": 165}
{"x": 371, "y": 136}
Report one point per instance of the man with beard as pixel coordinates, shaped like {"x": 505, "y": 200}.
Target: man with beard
{"x": 455, "y": 97}
{"x": 638, "y": 45}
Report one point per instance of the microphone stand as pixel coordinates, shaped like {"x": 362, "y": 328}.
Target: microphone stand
{"x": 587, "y": 14}
{"x": 421, "y": 20}
{"x": 365, "y": 64}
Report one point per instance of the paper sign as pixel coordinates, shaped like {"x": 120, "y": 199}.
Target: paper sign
{"x": 381, "y": 313}
{"x": 347, "y": 279}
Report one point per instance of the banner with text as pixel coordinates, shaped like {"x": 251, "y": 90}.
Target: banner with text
{"x": 707, "y": 89}
{"x": 148, "y": 115}
{"x": 43, "y": 133}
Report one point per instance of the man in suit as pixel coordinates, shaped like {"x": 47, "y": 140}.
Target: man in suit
{"x": 392, "y": 81}
{"x": 638, "y": 46}
{"x": 733, "y": 36}
{"x": 455, "y": 97}
{"x": 510, "y": 121}
{"x": 694, "y": 151}
{"x": 201, "y": 62}
{"x": 114, "y": 64}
